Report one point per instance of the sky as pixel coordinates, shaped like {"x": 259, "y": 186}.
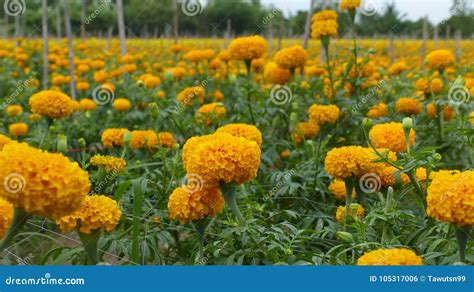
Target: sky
{"x": 436, "y": 10}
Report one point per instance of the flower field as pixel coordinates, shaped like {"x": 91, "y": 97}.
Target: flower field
{"x": 238, "y": 151}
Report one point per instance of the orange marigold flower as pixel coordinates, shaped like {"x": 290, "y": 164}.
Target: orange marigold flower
{"x": 377, "y": 111}
{"x": 6, "y": 216}
{"x": 210, "y": 113}
{"x": 187, "y": 205}
{"x": 440, "y": 59}
{"x": 275, "y": 74}
{"x": 340, "y": 212}
{"x": 113, "y": 137}
{"x": 347, "y": 161}
{"x": 187, "y": 95}
{"x": 249, "y": 132}
{"x": 451, "y": 197}
{"x": 323, "y": 114}
{"x": 144, "y": 139}
{"x": 324, "y": 23}
{"x": 222, "y": 157}
{"x": 18, "y": 129}
{"x": 292, "y": 57}
{"x": 110, "y": 163}
{"x": 407, "y": 105}
{"x": 52, "y": 104}
{"x": 349, "y": 4}
{"x": 166, "y": 139}
{"x": 87, "y": 104}
{"x": 42, "y": 183}
{"x": 390, "y": 257}
{"x": 98, "y": 212}
{"x": 390, "y": 136}
{"x": 338, "y": 189}
{"x": 14, "y": 110}
{"x": 122, "y": 104}
{"x": 305, "y": 130}
{"x": 248, "y": 48}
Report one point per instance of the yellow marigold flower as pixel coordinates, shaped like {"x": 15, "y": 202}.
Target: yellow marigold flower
{"x": 436, "y": 85}
{"x": 187, "y": 95}
{"x": 338, "y": 189}
{"x": 432, "y": 111}
{"x": 225, "y": 158}
{"x": 210, "y": 113}
{"x": 186, "y": 205}
{"x": 144, "y": 139}
{"x": 110, "y": 163}
{"x": 342, "y": 209}
{"x": 100, "y": 76}
{"x": 87, "y": 104}
{"x": 285, "y": 153}
{"x": 451, "y": 197}
{"x": 113, "y": 137}
{"x": 324, "y": 23}
{"x": 82, "y": 86}
{"x": 166, "y": 139}
{"x": 422, "y": 85}
{"x": 6, "y": 216}
{"x": 98, "y": 212}
{"x": 292, "y": 57}
{"x": 398, "y": 68}
{"x": 4, "y": 140}
{"x": 275, "y": 74}
{"x": 305, "y": 130}
{"x": 323, "y": 114}
{"x": 257, "y": 65}
{"x": 42, "y": 183}
{"x": 248, "y": 48}
{"x": 347, "y": 161}
{"x": 18, "y": 129}
{"x": 390, "y": 257}
{"x": 349, "y": 4}
{"x": 377, "y": 111}
{"x": 151, "y": 81}
{"x": 390, "y": 136}
{"x": 218, "y": 95}
{"x": 440, "y": 59}
{"x": 52, "y": 104}
{"x": 407, "y": 105}
{"x": 122, "y": 104}
{"x": 189, "y": 147}
{"x": 14, "y": 110}
{"x": 60, "y": 80}
{"x": 249, "y": 132}
{"x": 471, "y": 118}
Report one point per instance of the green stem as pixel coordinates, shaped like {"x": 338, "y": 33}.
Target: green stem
{"x": 90, "y": 243}
{"x": 230, "y": 198}
{"x": 462, "y": 237}
{"x": 328, "y": 64}
{"x": 19, "y": 219}
{"x": 349, "y": 182}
